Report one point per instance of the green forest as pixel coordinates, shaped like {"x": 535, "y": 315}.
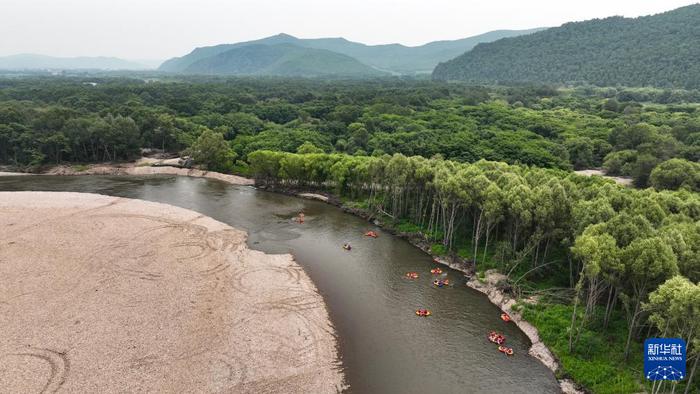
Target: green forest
{"x": 629, "y": 132}
{"x": 658, "y": 50}
{"x": 483, "y": 173}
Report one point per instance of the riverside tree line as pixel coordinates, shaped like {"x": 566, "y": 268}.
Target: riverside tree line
{"x": 635, "y": 251}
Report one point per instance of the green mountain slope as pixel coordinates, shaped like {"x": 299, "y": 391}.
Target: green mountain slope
{"x": 660, "y": 50}
{"x": 281, "y": 60}
{"x": 394, "y": 58}
{"x": 408, "y": 60}
{"x": 42, "y": 62}
{"x": 180, "y": 64}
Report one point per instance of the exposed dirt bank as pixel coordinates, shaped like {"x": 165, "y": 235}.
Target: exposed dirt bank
{"x": 106, "y": 294}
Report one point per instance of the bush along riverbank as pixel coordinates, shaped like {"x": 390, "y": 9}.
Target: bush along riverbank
{"x": 606, "y": 265}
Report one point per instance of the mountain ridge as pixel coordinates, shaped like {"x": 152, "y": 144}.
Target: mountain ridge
{"x": 396, "y": 58}
{"x": 281, "y": 60}
{"x": 656, "y": 50}
{"x": 31, "y": 61}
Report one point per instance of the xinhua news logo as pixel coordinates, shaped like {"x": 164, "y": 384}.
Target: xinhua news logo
{"x": 664, "y": 359}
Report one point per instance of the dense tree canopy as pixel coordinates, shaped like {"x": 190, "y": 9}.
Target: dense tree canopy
{"x": 675, "y": 174}
{"x": 211, "y": 150}
{"x": 629, "y": 131}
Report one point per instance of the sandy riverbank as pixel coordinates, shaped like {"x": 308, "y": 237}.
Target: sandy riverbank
{"x": 106, "y": 294}
{"x": 143, "y": 166}
{"x": 6, "y": 173}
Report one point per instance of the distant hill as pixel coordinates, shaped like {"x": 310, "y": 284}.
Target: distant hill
{"x": 281, "y": 60}
{"x": 42, "y": 62}
{"x": 660, "y": 50}
{"x": 393, "y": 58}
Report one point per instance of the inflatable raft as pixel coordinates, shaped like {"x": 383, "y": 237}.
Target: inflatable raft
{"x": 496, "y": 338}
{"x": 423, "y": 313}
{"x": 505, "y": 350}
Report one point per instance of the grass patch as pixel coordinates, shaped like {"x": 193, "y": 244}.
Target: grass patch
{"x": 597, "y": 361}
{"x": 483, "y": 263}
{"x": 438, "y": 249}
{"x": 481, "y": 276}
{"x": 80, "y": 167}
{"x": 547, "y": 278}
{"x": 355, "y": 204}
{"x": 405, "y": 226}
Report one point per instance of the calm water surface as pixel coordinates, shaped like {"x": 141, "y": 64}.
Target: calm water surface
{"x": 384, "y": 347}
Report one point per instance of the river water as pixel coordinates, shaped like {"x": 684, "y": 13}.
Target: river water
{"x": 384, "y": 346}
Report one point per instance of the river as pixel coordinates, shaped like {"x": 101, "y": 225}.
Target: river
{"x": 384, "y": 346}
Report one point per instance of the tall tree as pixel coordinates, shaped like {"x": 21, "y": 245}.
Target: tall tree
{"x": 648, "y": 262}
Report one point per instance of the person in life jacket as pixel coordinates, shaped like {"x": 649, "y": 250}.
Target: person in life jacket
{"x": 496, "y": 338}
{"x": 506, "y": 350}
{"x": 441, "y": 282}
{"x": 423, "y": 312}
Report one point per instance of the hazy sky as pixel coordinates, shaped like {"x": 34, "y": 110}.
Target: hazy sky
{"x": 158, "y": 29}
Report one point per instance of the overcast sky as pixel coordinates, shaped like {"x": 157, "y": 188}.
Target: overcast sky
{"x": 158, "y": 29}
